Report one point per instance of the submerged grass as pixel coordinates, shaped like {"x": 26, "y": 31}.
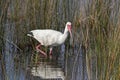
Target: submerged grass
{"x": 96, "y": 25}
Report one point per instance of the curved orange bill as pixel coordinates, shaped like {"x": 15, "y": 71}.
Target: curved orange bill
{"x": 70, "y": 34}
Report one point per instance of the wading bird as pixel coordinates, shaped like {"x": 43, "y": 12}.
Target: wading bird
{"x": 49, "y": 37}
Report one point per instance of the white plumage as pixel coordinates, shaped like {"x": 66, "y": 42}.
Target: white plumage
{"x": 48, "y": 37}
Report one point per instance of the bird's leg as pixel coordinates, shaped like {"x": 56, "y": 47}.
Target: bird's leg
{"x": 50, "y": 53}
{"x": 42, "y": 52}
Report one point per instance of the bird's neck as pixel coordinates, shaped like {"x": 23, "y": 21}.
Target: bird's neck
{"x": 63, "y": 36}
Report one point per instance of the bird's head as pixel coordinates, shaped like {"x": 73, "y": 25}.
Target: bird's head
{"x": 69, "y": 27}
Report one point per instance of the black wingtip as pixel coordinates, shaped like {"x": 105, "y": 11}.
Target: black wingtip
{"x": 30, "y": 34}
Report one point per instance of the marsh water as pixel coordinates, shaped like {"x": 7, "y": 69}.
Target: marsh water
{"x": 21, "y": 66}
{"x": 28, "y": 64}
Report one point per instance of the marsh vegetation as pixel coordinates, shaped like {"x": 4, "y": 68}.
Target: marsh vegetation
{"x": 95, "y": 53}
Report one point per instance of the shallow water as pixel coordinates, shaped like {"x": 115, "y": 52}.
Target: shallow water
{"x": 17, "y": 65}
{"x": 29, "y": 65}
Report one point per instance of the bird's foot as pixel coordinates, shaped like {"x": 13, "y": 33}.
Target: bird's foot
{"x": 42, "y": 54}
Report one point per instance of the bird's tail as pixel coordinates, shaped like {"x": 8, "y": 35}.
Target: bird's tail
{"x": 30, "y": 34}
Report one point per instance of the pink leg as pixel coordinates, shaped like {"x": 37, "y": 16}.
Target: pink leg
{"x": 42, "y": 52}
{"x": 50, "y": 53}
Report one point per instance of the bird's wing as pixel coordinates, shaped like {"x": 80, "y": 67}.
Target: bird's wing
{"x": 46, "y": 37}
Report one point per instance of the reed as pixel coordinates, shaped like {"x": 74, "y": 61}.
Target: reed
{"x": 101, "y": 34}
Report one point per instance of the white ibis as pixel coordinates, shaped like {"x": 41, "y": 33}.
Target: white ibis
{"x": 49, "y": 37}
